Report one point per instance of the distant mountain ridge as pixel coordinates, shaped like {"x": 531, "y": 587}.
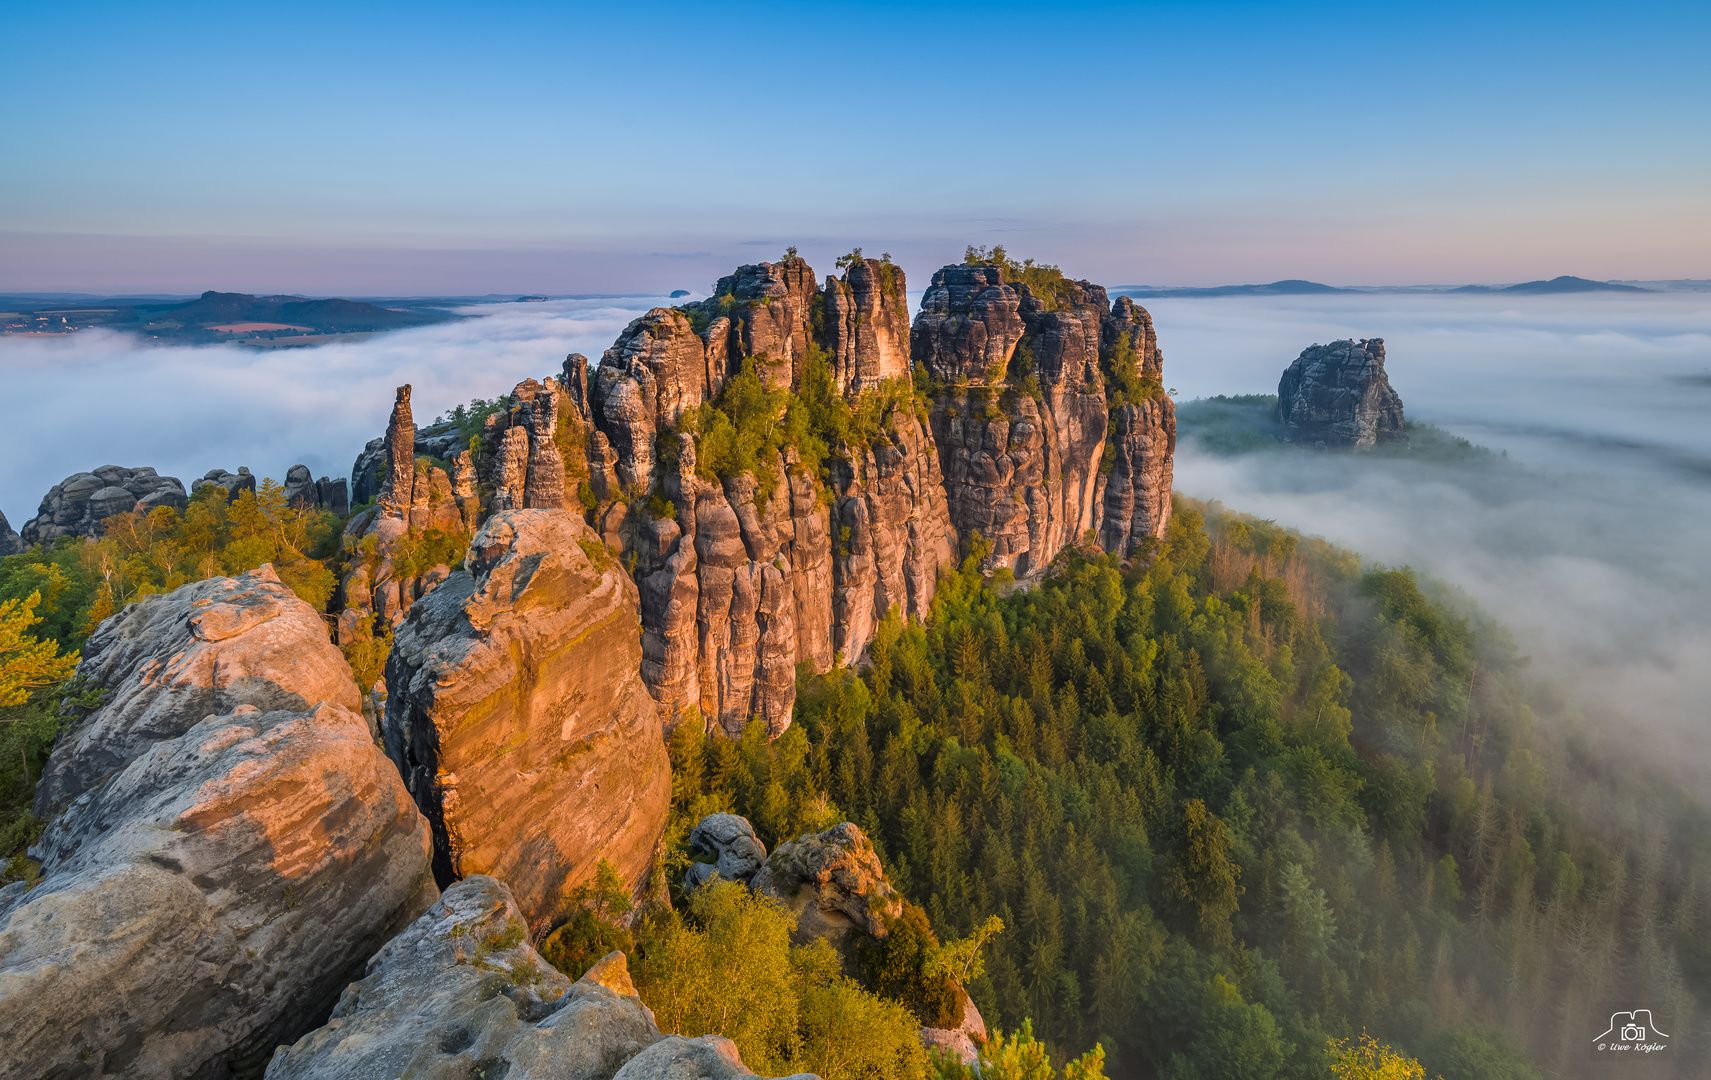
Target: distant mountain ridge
{"x": 328, "y": 316}
{"x": 1564, "y": 284}
{"x": 1290, "y": 287}
{"x": 225, "y": 316}
{"x": 1299, "y": 287}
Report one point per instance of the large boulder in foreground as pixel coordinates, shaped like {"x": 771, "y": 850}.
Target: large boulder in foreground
{"x": 203, "y": 649}
{"x": 461, "y": 993}
{"x": 1338, "y": 395}
{"x": 210, "y": 900}
{"x": 516, "y": 711}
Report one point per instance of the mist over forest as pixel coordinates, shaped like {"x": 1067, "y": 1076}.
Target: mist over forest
{"x": 1426, "y": 839}
{"x": 1586, "y": 541}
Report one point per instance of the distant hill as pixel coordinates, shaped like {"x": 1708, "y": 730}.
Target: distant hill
{"x": 324, "y": 316}
{"x": 1564, "y": 284}
{"x": 1291, "y": 287}
{"x": 223, "y": 316}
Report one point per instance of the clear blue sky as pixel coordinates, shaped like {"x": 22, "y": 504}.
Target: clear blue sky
{"x": 430, "y": 148}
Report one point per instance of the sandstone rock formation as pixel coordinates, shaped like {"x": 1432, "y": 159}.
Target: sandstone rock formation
{"x": 1025, "y": 386}
{"x": 171, "y": 659}
{"x": 738, "y": 587}
{"x": 729, "y": 840}
{"x": 1046, "y": 421}
{"x": 233, "y": 484}
{"x": 77, "y": 505}
{"x": 518, "y": 717}
{"x": 395, "y": 560}
{"x": 210, "y": 900}
{"x": 968, "y": 326}
{"x": 304, "y": 493}
{"x": 867, "y": 324}
{"x": 1338, "y": 395}
{"x": 461, "y": 993}
{"x": 833, "y": 883}
{"x": 10, "y": 542}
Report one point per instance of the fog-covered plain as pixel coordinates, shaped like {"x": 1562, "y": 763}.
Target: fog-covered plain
{"x": 97, "y": 398}
{"x": 1591, "y": 543}
{"x": 1591, "y": 547}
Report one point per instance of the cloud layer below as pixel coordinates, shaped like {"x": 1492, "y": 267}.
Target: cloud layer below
{"x": 98, "y": 398}
{"x": 1590, "y": 547}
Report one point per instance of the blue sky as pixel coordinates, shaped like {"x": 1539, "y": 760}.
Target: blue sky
{"x": 430, "y": 148}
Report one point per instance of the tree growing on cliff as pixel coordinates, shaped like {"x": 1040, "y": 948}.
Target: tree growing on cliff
{"x": 596, "y": 929}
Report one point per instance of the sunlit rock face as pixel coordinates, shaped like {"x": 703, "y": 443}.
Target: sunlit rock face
{"x": 1338, "y": 395}
{"x": 210, "y": 899}
{"x": 741, "y": 580}
{"x": 1018, "y": 438}
{"x": 518, "y": 716}
{"x": 1034, "y": 450}
{"x": 169, "y": 660}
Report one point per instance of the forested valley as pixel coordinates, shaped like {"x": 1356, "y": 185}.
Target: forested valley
{"x": 1231, "y": 801}
{"x": 1243, "y": 799}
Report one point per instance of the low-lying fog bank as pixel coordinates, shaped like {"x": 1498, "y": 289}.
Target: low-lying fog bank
{"x": 1590, "y": 546}
{"x": 1590, "y": 542}
{"x": 99, "y": 398}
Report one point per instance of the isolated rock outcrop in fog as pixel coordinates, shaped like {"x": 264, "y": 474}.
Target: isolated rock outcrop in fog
{"x": 210, "y": 900}
{"x": 171, "y": 659}
{"x": 461, "y": 993}
{"x": 77, "y": 505}
{"x": 517, "y": 714}
{"x": 1339, "y": 395}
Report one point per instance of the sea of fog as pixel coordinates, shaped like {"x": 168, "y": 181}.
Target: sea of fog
{"x": 1592, "y": 548}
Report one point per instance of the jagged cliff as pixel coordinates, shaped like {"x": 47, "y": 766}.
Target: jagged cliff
{"x": 742, "y": 578}
{"x": 1021, "y": 406}
{"x": 1032, "y": 454}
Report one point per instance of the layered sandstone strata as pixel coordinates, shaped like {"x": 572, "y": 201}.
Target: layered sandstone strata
{"x": 385, "y": 544}
{"x": 171, "y": 659}
{"x": 741, "y": 580}
{"x": 518, "y": 716}
{"x": 1022, "y": 414}
{"x": 225, "y": 845}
